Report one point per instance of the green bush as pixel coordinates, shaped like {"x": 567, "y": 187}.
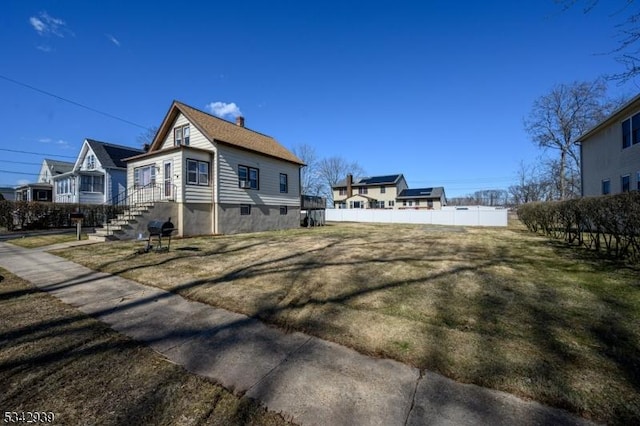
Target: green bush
{"x": 609, "y": 224}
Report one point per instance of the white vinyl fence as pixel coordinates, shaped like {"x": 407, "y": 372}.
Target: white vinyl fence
{"x": 458, "y": 216}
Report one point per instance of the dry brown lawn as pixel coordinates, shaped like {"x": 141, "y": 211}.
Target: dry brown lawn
{"x": 45, "y": 240}
{"x": 500, "y": 308}
{"x": 53, "y": 358}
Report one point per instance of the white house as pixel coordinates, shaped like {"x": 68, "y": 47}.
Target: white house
{"x": 215, "y": 176}
{"x": 42, "y": 190}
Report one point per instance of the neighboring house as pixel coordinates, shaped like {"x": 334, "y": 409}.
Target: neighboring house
{"x": 98, "y": 176}
{"x": 7, "y": 193}
{"x": 422, "y": 198}
{"x": 216, "y": 177}
{"x": 610, "y": 153}
{"x": 51, "y": 168}
{"x": 42, "y": 190}
{"x": 369, "y": 192}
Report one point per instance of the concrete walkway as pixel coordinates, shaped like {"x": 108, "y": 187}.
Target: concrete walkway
{"x": 309, "y": 380}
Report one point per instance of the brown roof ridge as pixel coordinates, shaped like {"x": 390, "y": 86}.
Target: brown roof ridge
{"x": 221, "y": 119}
{"x": 226, "y": 132}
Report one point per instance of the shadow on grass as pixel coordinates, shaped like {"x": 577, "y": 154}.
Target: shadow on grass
{"x": 492, "y": 367}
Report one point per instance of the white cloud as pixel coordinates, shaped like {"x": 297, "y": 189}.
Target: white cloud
{"x": 223, "y": 109}
{"x": 23, "y": 182}
{"x": 46, "y": 25}
{"x": 37, "y": 25}
{"x": 113, "y": 39}
{"x": 60, "y": 142}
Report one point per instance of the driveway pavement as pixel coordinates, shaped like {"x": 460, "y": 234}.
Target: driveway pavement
{"x": 312, "y": 381}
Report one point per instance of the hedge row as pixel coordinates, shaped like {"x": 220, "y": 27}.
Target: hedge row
{"x": 37, "y": 215}
{"x": 609, "y": 224}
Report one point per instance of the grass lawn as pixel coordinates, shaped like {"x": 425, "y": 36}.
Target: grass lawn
{"x": 500, "y": 308}
{"x": 45, "y": 240}
{"x": 53, "y": 358}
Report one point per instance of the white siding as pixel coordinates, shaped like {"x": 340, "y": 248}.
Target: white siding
{"x": 174, "y": 156}
{"x": 269, "y": 178}
{"x": 198, "y": 193}
{"x": 196, "y": 139}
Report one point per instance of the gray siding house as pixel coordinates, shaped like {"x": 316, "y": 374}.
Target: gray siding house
{"x": 217, "y": 177}
{"x": 98, "y": 176}
{"x": 610, "y": 153}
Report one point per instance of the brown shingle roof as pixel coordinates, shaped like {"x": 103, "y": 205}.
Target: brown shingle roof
{"x": 222, "y": 131}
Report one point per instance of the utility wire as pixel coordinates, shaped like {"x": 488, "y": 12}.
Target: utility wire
{"x": 78, "y": 104}
{"x": 20, "y": 162}
{"x": 37, "y": 153}
{"x": 20, "y": 173}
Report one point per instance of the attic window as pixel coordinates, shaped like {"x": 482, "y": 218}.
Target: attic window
{"x": 181, "y": 135}
{"x": 91, "y": 162}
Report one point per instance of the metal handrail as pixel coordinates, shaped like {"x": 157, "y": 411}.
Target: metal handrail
{"x": 133, "y": 197}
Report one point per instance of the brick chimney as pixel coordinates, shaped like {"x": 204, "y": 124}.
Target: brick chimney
{"x": 240, "y": 121}
{"x": 349, "y": 183}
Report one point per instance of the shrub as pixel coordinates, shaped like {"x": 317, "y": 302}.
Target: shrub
{"x": 39, "y": 215}
{"x": 609, "y": 224}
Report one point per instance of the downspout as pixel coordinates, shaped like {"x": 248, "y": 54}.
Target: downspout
{"x": 581, "y": 170}
{"x": 214, "y": 181}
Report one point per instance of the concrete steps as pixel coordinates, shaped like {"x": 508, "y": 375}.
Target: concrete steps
{"x": 115, "y": 229}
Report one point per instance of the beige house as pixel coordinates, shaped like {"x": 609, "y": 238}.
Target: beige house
{"x": 212, "y": 176}
{"x": 377, "y": 192}
{"x": 610, "y": 153}
{"x": 422, "y": 199}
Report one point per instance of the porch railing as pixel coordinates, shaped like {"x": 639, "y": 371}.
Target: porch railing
{"x": 135, "y": 196}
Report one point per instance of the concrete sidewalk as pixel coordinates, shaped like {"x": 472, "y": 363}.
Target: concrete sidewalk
{"x": 309, "y": 380}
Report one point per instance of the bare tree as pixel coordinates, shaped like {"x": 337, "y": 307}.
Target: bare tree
{"x": 332, "y": 170}
{"x": 310, "y": 180}
{"x": 627, "y": 51}
{"x": 146, "y": 138}
{"x": 532, "y": 185}
{"x": 559, "y": 117}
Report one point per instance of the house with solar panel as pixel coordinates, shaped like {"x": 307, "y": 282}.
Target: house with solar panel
{"x": 211, "y": 176}
{"x": 385, "y": 192}
{"x": 98, "y": 175}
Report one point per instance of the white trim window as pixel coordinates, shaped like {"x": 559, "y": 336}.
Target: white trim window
{"x": 197, "y": 172}
{"x": 91, "y": 183}
{"x": 625, "y": 182}
{"x": 606, "y": 186}
{"x": 91, "y": 162}
{"x": 248, "y": 177}
{"x": 144, "y": 176}
{"x": 181, "y": 135}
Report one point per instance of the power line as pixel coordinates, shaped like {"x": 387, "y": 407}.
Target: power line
{"x": 20, "y": 173}
{"x": 44, "y": 92}
{"x": 20, "y": 162}
{"x": 37, "y": 153}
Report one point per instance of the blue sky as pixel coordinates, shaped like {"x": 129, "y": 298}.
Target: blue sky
{"x": 433, "y": 89}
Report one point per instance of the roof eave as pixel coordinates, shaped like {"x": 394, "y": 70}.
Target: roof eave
{"x": 613, "y": 117}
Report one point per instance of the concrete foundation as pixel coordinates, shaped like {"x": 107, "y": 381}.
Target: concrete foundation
{"x": 196, "y": 219}
{"x": 262, "y": 218}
